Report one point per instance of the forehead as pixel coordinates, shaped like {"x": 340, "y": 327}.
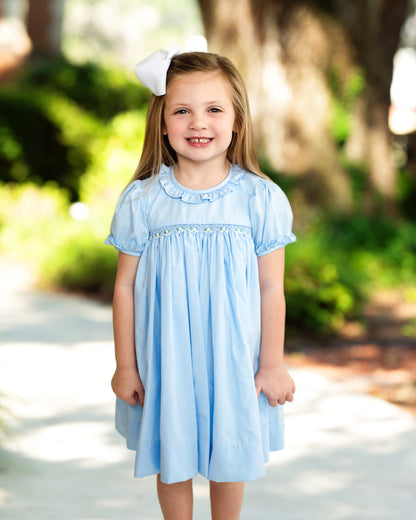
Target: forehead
{"x": 199, "y": 84}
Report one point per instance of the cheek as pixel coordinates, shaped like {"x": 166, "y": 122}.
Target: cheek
{"x": 231, "y": 127}
{"x": 171, "y": 128}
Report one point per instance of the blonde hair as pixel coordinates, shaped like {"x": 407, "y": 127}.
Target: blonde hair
{"x": 156, "y": 147}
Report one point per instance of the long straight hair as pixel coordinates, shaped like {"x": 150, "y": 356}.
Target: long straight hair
{"x": 156, "y": 147}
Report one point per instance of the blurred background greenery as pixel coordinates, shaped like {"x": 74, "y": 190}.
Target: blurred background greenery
{"x": 318, "y": 73}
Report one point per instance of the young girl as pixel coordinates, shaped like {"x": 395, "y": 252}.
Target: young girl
{"x": 199, "y": 307}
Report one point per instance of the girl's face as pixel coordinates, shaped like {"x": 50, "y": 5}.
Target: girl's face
{"x": 199, "y": 118}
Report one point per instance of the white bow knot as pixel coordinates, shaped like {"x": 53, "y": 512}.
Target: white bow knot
{"x": 152, "y": 71}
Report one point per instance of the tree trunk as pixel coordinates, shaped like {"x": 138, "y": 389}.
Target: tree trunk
{"x": 374, "y": 30}
{"x": 44, "y": 25}
{"x": 290, "y": 52}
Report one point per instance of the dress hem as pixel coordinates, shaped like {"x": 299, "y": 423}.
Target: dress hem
{"x": 143, "y": 474}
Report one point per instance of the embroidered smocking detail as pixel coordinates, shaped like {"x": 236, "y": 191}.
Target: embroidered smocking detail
{"x": 244, "y": 231}
{"x": 177, "y": 191}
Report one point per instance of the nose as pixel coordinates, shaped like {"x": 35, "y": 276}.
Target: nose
{"x": 197, "y": 122}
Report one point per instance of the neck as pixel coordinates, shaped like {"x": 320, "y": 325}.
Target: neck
{"x": 201, "y": 176}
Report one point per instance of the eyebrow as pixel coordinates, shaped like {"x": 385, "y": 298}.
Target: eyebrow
{"x": 184, "y": 104}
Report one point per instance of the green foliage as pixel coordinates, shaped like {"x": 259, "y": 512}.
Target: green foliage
{"x": 32, "y": 222}
{"x": 322, "y": 288}
{"x": 407, "y": 193}
{"x": 56, "y": 119}
{"x": 81, "y": 263}
{"x": 340, "y": 122}
{"x": 116, "y": 157}
{"x": 78, "y": 132}
{"x": 335, "y": 265}
{"x": 391, "y": 244}
{"x": 344, "y": 95}
{"x": 102, "y": 91}
{"x": 25, "y": 207}
{"x": 36, "y": 227}
{"x": 317, "y": 300}
{"x": 32, "y": 146}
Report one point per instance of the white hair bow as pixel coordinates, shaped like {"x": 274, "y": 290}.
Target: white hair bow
{"x": 152, "y": 70}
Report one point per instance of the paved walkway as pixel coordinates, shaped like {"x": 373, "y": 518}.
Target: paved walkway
{"x": 349, "y": 456}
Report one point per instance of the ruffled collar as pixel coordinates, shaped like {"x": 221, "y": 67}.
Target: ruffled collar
{"x": 178, "y": 191}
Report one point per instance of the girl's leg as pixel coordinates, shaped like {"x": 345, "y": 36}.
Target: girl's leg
{"x": 226, "y": 500}
{"x": 176, "y": 500}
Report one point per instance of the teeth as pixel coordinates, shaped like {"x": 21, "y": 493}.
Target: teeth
{"x": 202, "y": 140}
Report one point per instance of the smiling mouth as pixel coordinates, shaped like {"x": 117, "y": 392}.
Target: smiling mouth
{"x": 200, "y": 140}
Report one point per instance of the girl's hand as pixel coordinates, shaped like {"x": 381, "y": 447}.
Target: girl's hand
{"x": 277, "y": 385}
{"x": 127, "y": 385}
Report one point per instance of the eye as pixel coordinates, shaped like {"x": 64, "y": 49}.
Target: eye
{"x": 215, "y": 110}
{"x": 181, "y": 111}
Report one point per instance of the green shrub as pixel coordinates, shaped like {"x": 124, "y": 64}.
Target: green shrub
{"x": 320, "y": 293}
{"x": 115, "y": 159}
{"x": 387, "y": 247}
{"x": 103, "y": 91}
{"x": 31, "y": 218}
{"x": 36, "y": 227}
{"x": 407, "y": 193}
{"x": 81, "y": 262}
{"x": 58, "y": 118}
{"x": 31, "y": 145}
{"x": 337, "y": 263}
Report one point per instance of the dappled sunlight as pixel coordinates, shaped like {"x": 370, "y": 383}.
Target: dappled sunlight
{"x": 328, "y": 414}
{"x": 84, "y": 441}
{"x": 52, "y": 318}
{"x": 342, "y": 447}
{"x": 4, "y": 496}
{"x": 345, "y": 454}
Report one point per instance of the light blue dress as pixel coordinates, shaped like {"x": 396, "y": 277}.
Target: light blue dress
{"x": 197, "y": 324}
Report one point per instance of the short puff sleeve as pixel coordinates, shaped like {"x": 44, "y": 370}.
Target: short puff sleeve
{"x": 271, "y": 218}
{"x": 129, "y": 231}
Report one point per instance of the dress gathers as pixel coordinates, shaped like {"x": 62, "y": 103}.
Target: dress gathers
{"x": 197, "y": 324}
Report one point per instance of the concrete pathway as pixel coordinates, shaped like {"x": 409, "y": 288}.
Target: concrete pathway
{"x": 349, "y": 456}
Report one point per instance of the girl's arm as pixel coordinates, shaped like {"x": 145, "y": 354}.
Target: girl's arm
{"x": 272, "y": 377}
{"x": 126, "y": 381}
